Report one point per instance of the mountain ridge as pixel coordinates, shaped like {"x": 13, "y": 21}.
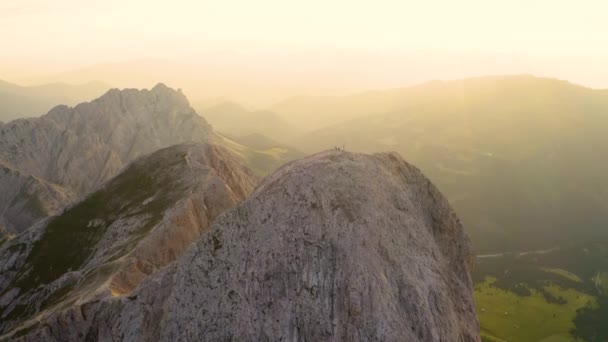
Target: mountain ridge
{"x": 300, "y": 110}
{"x": 81, "y": 147}
{"x": 335, "y": 246}
{"x": 112, "y": 240}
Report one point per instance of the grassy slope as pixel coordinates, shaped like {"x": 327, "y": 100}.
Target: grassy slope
{"x": 144, "y": 190}
{"x": 259, "y": 153}
{"x": 567, "y": 282}
{"x": 510, "y": 317}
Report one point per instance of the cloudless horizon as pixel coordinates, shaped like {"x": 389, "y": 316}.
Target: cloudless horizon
{"x": 290, "y": 48}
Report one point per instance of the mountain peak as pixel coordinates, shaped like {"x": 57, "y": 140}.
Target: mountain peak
{"x": 160, "y": 86}
{"x": 171, "y": 94}
{"x": 160, "y": 90}
{"x": 81, "y": 147}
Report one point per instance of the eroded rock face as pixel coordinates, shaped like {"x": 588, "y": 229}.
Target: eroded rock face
{"x": 80, "y": 148}
{"x": 337, "y": 246}
{"x": 107, "y": 244}
{"x": 24, "y": 199}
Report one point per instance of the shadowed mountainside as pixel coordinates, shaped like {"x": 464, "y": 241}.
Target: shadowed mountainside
{"x": 115, "y": 238}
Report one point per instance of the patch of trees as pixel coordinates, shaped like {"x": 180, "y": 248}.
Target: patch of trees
{"x": 590, "y": 323}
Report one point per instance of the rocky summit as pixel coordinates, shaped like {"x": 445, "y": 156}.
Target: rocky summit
{"x": 107, "y": 244}
{"x": 336, "y": 246}
{"x": 83, "y": 146}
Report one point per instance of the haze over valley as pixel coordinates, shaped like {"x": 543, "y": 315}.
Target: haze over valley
{"x": 315, "y": 171}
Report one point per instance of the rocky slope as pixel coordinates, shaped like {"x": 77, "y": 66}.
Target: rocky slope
{"x": 24, "y": 199}
{"x": 84, "y": 146}
{"x": 4, "y": 234}
{"x": 105, "y": 245}
{"x": 337, "y": 246}
{"x": 80, "y": 148}
{"x": 75, "y": 150}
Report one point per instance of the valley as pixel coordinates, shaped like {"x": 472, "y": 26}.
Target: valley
{"x": 551, "y": 296}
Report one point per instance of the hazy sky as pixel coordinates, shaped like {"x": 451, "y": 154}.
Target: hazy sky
{"x": 560, "y": 38}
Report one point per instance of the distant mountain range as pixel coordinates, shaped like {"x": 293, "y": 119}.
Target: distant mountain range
{"x": 236, "y": 121}
{"x": 263, "y": 131}
{"x": 521, "y": 158}
{"x": 20, "y": 102}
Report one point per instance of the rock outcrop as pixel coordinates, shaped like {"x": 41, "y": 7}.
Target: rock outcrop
{"x": 24, "y": 199}
{"x": 337, "y": 246}
{"x": 83, "y": 146}
{"x": 107, "y": 244}
{"x": 80, "y": 148}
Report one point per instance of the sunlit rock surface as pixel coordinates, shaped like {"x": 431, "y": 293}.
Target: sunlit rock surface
{"x": 337, "y": 246}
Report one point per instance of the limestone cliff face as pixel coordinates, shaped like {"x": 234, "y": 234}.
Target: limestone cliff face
{"x": 107, "y": 244}
{"x": 337, "y": 246}
{"x": 80, "y": 148}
